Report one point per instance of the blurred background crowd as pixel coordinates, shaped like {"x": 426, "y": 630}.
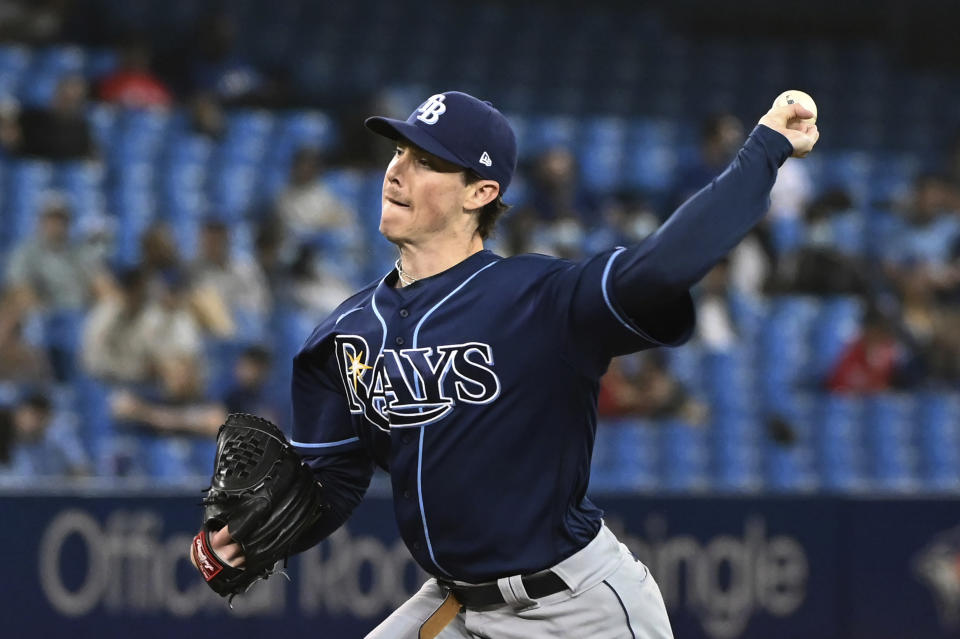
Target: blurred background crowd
{"x": 186, "y": 189}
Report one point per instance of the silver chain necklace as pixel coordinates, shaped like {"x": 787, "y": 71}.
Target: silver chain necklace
{"x": 405, "y": 279}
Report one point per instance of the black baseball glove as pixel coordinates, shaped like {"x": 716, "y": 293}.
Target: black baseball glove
{"x": 265, "y": 493}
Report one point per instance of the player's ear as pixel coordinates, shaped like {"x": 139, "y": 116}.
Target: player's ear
{"x": 480, "y": 193}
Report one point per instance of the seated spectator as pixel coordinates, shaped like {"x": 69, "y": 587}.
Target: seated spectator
{"x": 829, "y": 260}
{"x": 161, "y": 263}
{"x": 249, "y": 392}
{"x": 33, "y": 443}
{"x": 127, "y": 337}
{"x": 60, "y": 132}
{"x": 207, "y": 117}
{"x": 132, "y": 84}
{"x": 930, "y": 229}
{"x": 640, "y": 385}
{"x": 23, "y": 362}
{"x": 34, "y": 22}
{"x": 10, "y": 133}
{"x": 218, "y": 68}
{"x": 313, "y": 288}
{"x": 875, "y": 361}
{"x": 56, "y": 277}
{"x": 715, "y": 326}
{"x": 306, "y": 207}
{"x": 177, "y": 406}
{"x": 239, "y": 283}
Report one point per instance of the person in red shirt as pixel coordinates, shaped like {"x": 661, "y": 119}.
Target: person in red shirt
{"x": 132, "y": 84}
{"x": 872, "y": 362}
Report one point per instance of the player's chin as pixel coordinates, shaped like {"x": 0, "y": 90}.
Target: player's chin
{"x": 393, "y": 225}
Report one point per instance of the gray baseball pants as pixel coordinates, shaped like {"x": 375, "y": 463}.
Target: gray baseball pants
{"x": 611, "y": 596}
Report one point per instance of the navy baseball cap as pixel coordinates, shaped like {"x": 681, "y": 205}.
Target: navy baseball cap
{"x": 461, "y": 129}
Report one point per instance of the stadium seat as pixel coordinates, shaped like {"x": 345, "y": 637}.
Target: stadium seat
{"x": 683, "y": 457}
{"x": 938, "y": 422}
{"x": 835, "y": 326}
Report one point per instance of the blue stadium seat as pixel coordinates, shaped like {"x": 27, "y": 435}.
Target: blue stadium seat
{"x": 15, "y": 58}
{"x": 649, "y": 168}
{"x": 547, "y": 132}
{"x": 625, "y": 456}
{"x": 835, "y": 326}
{"x": 100, "y": 62}
{"x": 601, "y": 152}
{"x": 300, "y": 129}
{"x": 27, "y": 182}
{"x": 838, "y": 440}
{"x": 789, "y": 469}
{"x": 61, "y": 59}
{"x": 684, "y": 457}
{"x": 938, "y": 423}
{"x": 232, "y": 189}
{"x": 888, "y": 432}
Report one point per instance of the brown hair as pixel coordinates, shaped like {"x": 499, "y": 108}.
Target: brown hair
{"x": 491, "y": 211}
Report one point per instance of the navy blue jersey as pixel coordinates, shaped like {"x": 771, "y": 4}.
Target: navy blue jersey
{"x": 476, "y": 388}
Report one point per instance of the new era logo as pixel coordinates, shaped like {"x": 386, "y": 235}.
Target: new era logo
{"x": 485, "y": 159}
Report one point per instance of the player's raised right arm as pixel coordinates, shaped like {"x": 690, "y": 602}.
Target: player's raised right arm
{"x": 708, "y": 225}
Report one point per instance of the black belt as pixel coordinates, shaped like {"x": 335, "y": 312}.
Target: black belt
{"x": 537, "y": 586}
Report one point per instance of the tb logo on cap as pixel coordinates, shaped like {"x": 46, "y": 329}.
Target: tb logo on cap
{"x": 431, "y": 110}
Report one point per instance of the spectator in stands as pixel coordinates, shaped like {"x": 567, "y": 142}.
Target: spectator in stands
{"x": 715, "y": 326}
{"x": 268, "y": 251}
{"x": 207, "y": 117}
{"x": 239, "y": 283}
{"x": 35, "y": 443}
{"x": 875, "y": 361}
{"x": 931, "y": 230}
{"x": 178, "y": 406}
{"x": 22, "y": 362}
{"x": 55, "y": 276}
{"x": 640, "y": 385}
{"x": 560, "y": 211}
{"x": 10, "y": 134}
{"x": 721, "y": 135}
{"x": 133, "y": 84}
{"x": 306, "y": 207}
{"x": 33, "y": 22}
{"x": 218, "y": 69}
{"x": 129, "y": 337}
{"x": 249, "y": 392}
{"x": 160, "y": 261}
{"x": 829, "y": 260}
{"x": 313, "y": 288}
{"x": 60, "y": 132}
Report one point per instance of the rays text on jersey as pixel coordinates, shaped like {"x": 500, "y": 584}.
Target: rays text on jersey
{"x": 414, "y": 386}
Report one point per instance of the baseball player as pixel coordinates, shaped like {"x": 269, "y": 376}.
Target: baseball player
{"x": 473, "y": 378}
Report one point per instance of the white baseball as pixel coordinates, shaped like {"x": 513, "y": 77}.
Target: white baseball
{"x": 794, "y": 96}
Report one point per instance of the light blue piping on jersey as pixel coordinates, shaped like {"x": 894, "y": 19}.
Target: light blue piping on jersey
{"x": 383, "y": 325}
{"x": 606, "y": 296}
{"x": 342, "y": 442}
{"x": 416, "y": 336}
{"x": 353, "y": 310}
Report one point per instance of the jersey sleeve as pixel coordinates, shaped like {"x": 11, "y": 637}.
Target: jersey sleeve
{"x": 599, "y": 325}
{"x": 321, "y": 416}
{"x": 632, "y": 298}
{"x": 325, "y": 438}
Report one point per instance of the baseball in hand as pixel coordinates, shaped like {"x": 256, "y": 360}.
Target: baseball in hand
{"x": 794, "y": 96}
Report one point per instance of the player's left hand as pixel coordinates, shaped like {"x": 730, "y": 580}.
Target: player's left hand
{"x": 788, "y": 120}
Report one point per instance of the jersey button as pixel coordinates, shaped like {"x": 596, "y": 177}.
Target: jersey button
{"x": 407, "y": 494}
{"x": 404, "y": 312}
{"x": 399, "y": 341}
{"x": 416, "y": 545}
{"x": 406, "y": 439}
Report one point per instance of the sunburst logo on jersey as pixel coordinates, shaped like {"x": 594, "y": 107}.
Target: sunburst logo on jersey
{"x": 357, "y": 368}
